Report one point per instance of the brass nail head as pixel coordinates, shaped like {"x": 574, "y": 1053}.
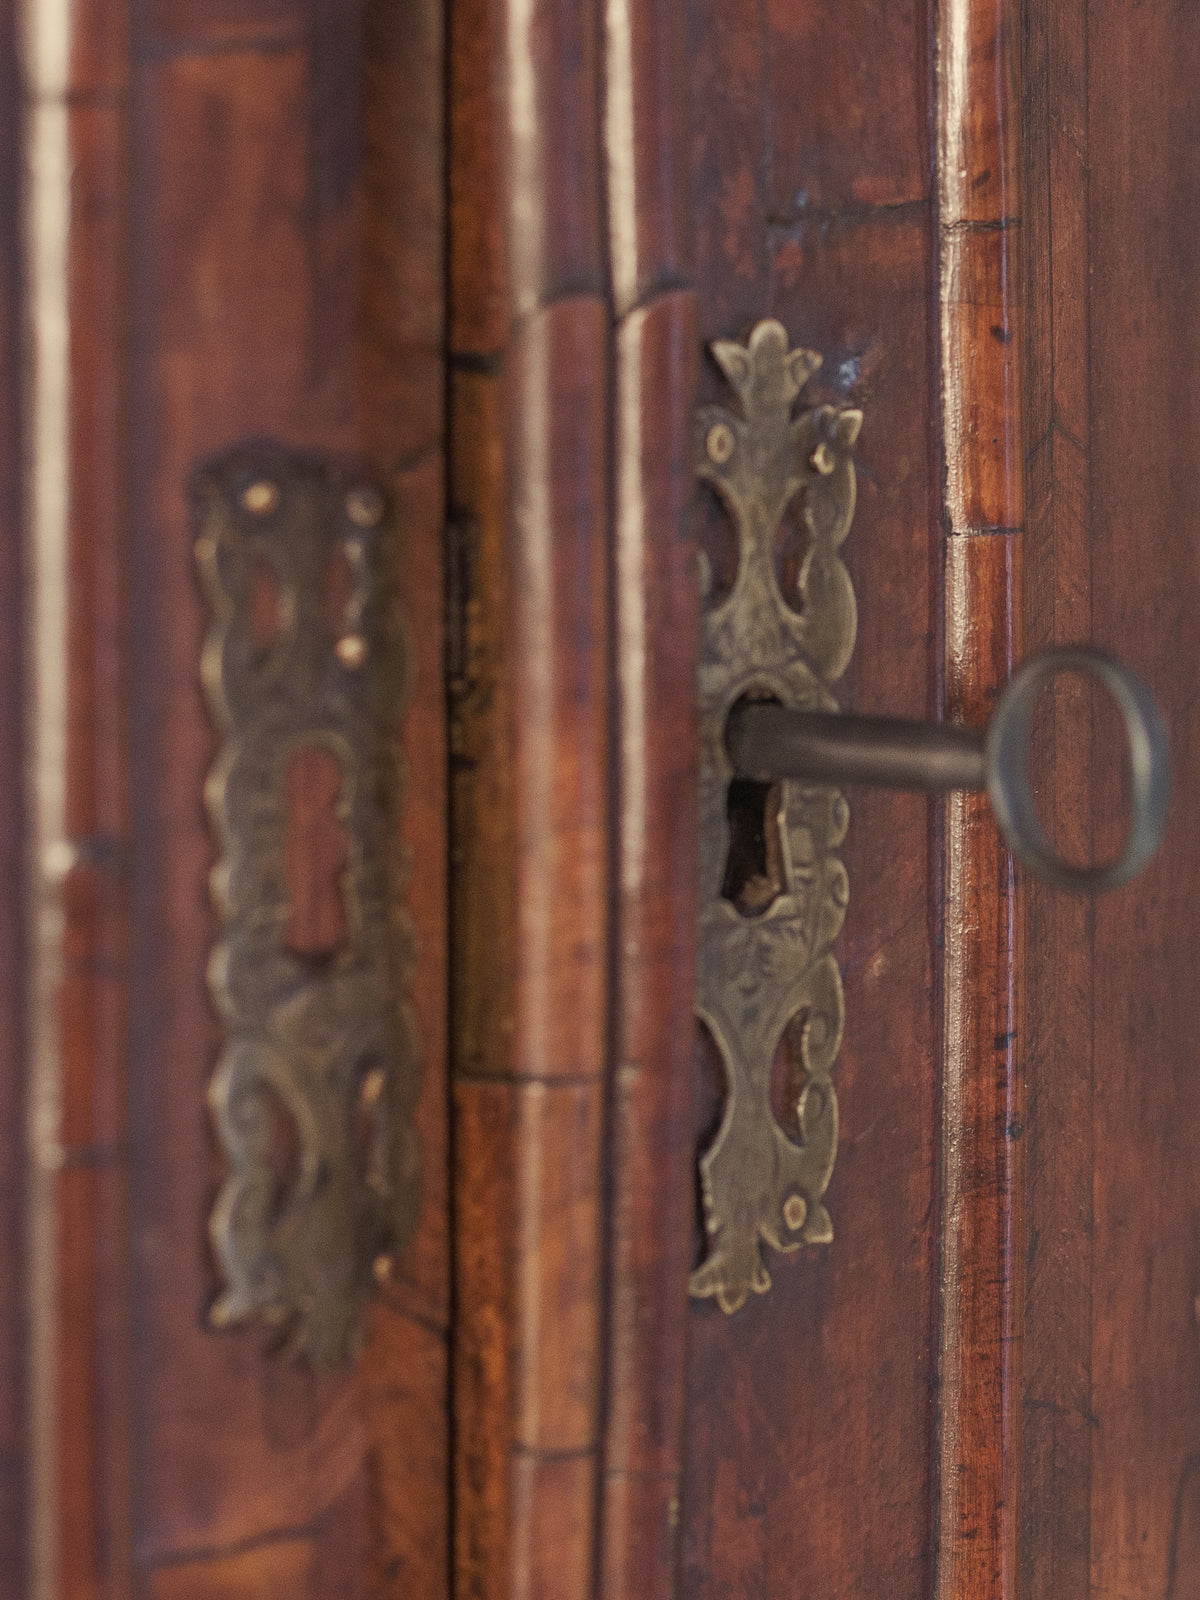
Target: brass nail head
{"x": 719, "y": 443}
{"x": 383, "y": 1268}
{"x": 795, "y": 1210}
{"x": 221, "y": 1314}
{"x": 364, "y": 506}
{"x": 371, "y": 1092}
{"x": 352, "y": 650}
{"x": 261, "y": 497}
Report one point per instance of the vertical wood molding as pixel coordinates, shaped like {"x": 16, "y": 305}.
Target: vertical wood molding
{"x": 982, "y": 1151}
{"x": 652, "y": 1040}
{"x": 77, "y": 211}
{"x": 46, "y": 43}
{"x": 529, "y": 471}
{"x": 14, "y": 1542}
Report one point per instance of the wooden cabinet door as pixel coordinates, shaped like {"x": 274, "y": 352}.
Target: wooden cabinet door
{"x": 981, "y": 214}
{"x": 483, "y": 250}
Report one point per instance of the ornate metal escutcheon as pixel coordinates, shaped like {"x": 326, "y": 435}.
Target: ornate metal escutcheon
{"x": 313, "y": 1093}
{"x": 767, "y": 981}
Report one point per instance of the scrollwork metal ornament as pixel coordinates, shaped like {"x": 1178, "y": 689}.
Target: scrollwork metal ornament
{"x": 313, "y": 1093}
{"x": 768, "y": 980}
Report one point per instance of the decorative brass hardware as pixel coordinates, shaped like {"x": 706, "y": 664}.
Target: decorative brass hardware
{"x": 767, "y": 980}
{"x": 313, "y": 1093}
{"x": 772, "y": 744}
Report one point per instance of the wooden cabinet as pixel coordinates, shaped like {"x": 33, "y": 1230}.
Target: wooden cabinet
{"x": 483, "y": 247}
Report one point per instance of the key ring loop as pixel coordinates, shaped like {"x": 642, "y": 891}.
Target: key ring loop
{"x": 1006, "y": 764}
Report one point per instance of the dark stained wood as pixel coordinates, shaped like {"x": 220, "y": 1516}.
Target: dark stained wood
{"x": 650, "y": 1226}
{"x": 398, "y": 357}
{"x": 1143, "y": 205}
{"x": 648, "y": 190}
{"x": 13, "y": 1474}
{"x": 478, "y": 308}
{"x": 482, "y": 877}
{"x": 535, "y": 1019}
{"x": 983, "y": 1116}
{"x": 529, "y": 475}
{"x": 82, "y": 1442}
{"x": 982, "y": 1256}
{"x": 228, "y": 315}
{"x": 280, "y": 289}
{"x": 1058, "y": 1425}
{"x": 983, "y": 1388}
{"x": 1113, "y": 1404}
{"x": 484, "y": 1198}
{"x": 651, "y": 1194}
{"x": 549, "y": 156}
{"x": 808, "y": 1426}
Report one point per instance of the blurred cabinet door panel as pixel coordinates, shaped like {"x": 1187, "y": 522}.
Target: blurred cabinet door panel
{"x": 232, "y": 230}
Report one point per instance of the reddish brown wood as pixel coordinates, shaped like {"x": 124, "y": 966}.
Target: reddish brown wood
{"x": 13, "y": 1529}
{"x": 478, "y": 309}
{"x": 809, "y": 1463}
{"x": 484, "y": 1197}
{"x": 483, "y": 898}
{"x": 399, "y": 364}
{"x": 1143, "y": 205}
{"x": 982, "y": 1095}
{"x": 529, "y": 475}
{"x": 649, "y": 222}
{"x": 983, "y": 1115}
{"x": 652, "y": 1176}
{"x": 1058, "y": 1425}
{"x": 1113, "y": 1404}
{"x": 546, "y": 1000}
{"x": 80, "y": 1413}
{"x": 549, "y": 156}
{"x": 841, "y": 1429}
{"x": 279, "y": 290}
{"x": 654, "y": 866}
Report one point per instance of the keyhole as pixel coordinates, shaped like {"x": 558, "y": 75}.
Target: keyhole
{"x": 315, "y": 854}
{"x": 754, "y": 866}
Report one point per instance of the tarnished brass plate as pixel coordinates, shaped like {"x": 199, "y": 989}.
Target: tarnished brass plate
{"x": 313, "y": 1093}
{"x": 769, "y": 991}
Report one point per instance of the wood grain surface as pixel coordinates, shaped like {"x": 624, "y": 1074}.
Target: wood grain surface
{"x": 78, "y": 1470}
{"x": 1112, "y": 1408}
{"x": 254, "y": 248}
{"x": 313, "y": 123}
{"x": 530, "y": 418}
{"x": 989, "y": 1385}
{"x": 809, "y": 1422}
{"x": 574, "y": 351}
{"x": 13, "y": 1376}
{"x": 982, "y": 1256}
{"x": 651, "y": 1173}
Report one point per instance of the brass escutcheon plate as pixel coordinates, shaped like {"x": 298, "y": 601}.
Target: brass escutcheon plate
{"x": 767, "y": 980}
{"x": 313, "y": 1093}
